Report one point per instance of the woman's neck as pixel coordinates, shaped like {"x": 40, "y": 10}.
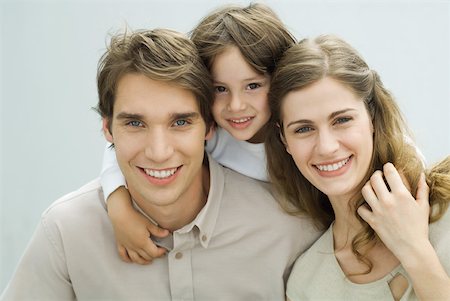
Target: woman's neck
{"x": 346, "y": 225}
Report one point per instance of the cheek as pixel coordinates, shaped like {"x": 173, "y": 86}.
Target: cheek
{"x": 263, "y": 103}
{"x": 127, "y": 146}
{"x": 191, "y": 143}
{"x": 299, "y": 151}
{"x": 217, "y": 107}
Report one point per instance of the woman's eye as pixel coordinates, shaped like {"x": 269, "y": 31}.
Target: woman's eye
{"x": 343, "y": 120}
{"x": 134, "y": 123}
{"x": 220, "y": 89}
{"x": 304, "y": 129}
{"x": 253, "y": 86}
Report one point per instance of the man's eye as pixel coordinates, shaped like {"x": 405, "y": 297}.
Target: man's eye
{"x": 220, "y": 89}
{"x": 134, "y": 123}
{"x": 253, "y": 86}
{"x": 181, "y": 122}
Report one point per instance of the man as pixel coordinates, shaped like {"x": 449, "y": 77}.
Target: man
{"x": 229, "y": 239}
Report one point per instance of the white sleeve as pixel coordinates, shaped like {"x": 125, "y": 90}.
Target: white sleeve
{"x": 211, "y": 144}
{"x": 111, "y": 176}
{"x": 42, "y": 272}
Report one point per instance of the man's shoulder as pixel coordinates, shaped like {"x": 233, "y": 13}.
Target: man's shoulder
{"x": 247, "y": 186}
{"x": 249, "y": 192}
{"x": 251, "y": 204}
{"x": 86, "y": 198}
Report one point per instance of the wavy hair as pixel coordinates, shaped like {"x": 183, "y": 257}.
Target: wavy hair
{"x": 328, "y": 56}
{"x": 160, "y": 54}
{"x": 256, "y": 30}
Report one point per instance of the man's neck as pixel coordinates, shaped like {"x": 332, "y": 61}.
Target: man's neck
{"x": 175, "y": 216}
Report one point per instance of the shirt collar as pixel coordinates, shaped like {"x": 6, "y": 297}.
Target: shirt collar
{"x": 206, "y": 219}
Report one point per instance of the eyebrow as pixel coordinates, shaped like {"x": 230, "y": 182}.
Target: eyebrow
{"x": 254, "y": 78}
{"x": 186, "y": 115}
{"x": 125, "y": 115}
{"x": 332, "y": 115}
{"x": 173, "y": 116}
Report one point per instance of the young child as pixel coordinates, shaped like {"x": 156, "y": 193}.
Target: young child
{"x": 240, "y": 46}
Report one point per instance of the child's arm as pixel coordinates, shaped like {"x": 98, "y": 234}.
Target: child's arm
{"x": 131, "y": 229}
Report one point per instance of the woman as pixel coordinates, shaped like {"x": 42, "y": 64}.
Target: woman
{"x": 335, "y": 130}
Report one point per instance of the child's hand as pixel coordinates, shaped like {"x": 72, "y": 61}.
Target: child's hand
{"x": 400, "y": 221}
{"x": 132, "y": 230}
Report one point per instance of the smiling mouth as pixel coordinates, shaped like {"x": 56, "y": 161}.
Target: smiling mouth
{"x": 241, "y": 120}
{"x": 334, "y": 166}
{"x": 160, "y": 174}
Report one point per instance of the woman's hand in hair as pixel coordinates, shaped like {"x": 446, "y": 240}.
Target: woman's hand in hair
{"x": 401, "y": 222}
{"x": 399, "y": 219}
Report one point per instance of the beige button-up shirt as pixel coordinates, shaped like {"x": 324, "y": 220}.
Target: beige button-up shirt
{"x": 240, "y": 246}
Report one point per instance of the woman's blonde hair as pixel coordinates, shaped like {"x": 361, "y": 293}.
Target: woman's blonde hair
{"x": 328, "y": 56}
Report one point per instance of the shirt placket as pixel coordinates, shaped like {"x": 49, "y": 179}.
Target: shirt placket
{"x": 180, "y": 267}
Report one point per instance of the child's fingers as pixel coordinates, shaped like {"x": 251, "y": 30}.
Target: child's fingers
{"x": 136, "y": 258}
{"x": 123, "y": 253}
{"x": 157, "y": 231}
{"x": 152, "y": 250}
{"x": 144, "y": 255}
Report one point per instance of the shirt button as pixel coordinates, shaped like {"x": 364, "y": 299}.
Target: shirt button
{"x": 178, "y": 255}
{"x": 204, "y": 238}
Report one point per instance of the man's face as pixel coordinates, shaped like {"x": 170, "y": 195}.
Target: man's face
{"x": 159, "y": 136}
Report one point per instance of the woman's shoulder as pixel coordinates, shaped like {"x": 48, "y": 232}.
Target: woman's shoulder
{"x": 439, "y": 234}
{"x": 311, "y": 268}
{"x": 316, "y": 255}
{"x": 440, "y": 229}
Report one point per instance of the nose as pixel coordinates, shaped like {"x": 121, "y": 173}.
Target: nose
{"x": 327, "y": 142}
{"x": 159, "y": 146}
{"x": 236, "y": 103}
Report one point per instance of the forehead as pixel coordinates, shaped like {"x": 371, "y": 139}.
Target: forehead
{"x": 230, "y": 64}
{"x": 139, "y": 94}
{"x": 322, "y": 97}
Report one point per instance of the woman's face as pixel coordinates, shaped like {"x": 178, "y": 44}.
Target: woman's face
{"x": 329, "y": 134}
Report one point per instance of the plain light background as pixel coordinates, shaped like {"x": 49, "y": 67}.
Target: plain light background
{"x": 50, "y": 138}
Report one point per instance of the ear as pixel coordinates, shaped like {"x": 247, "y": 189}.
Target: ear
{"x": 106, "y": 132}
{"x": 210, "y": 133}
{"x": 283, "y": 140}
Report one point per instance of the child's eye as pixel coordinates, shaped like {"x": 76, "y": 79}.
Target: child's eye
{"x": 304, "y": 129}
{"x": 253, "y": 86}
{"x": 342, "y": 120}
{"x": 181, "y": 122}
{"x": 134, "y": 123}
{"x": 220, "y": 89}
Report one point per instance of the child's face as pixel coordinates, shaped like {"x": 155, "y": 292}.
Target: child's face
{"x": 240, "y": 105}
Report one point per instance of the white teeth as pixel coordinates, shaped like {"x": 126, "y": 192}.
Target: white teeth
{"x": 332, "y": 167}
{"x": 160, "y": 174}
{"x": 241, "y": 120}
